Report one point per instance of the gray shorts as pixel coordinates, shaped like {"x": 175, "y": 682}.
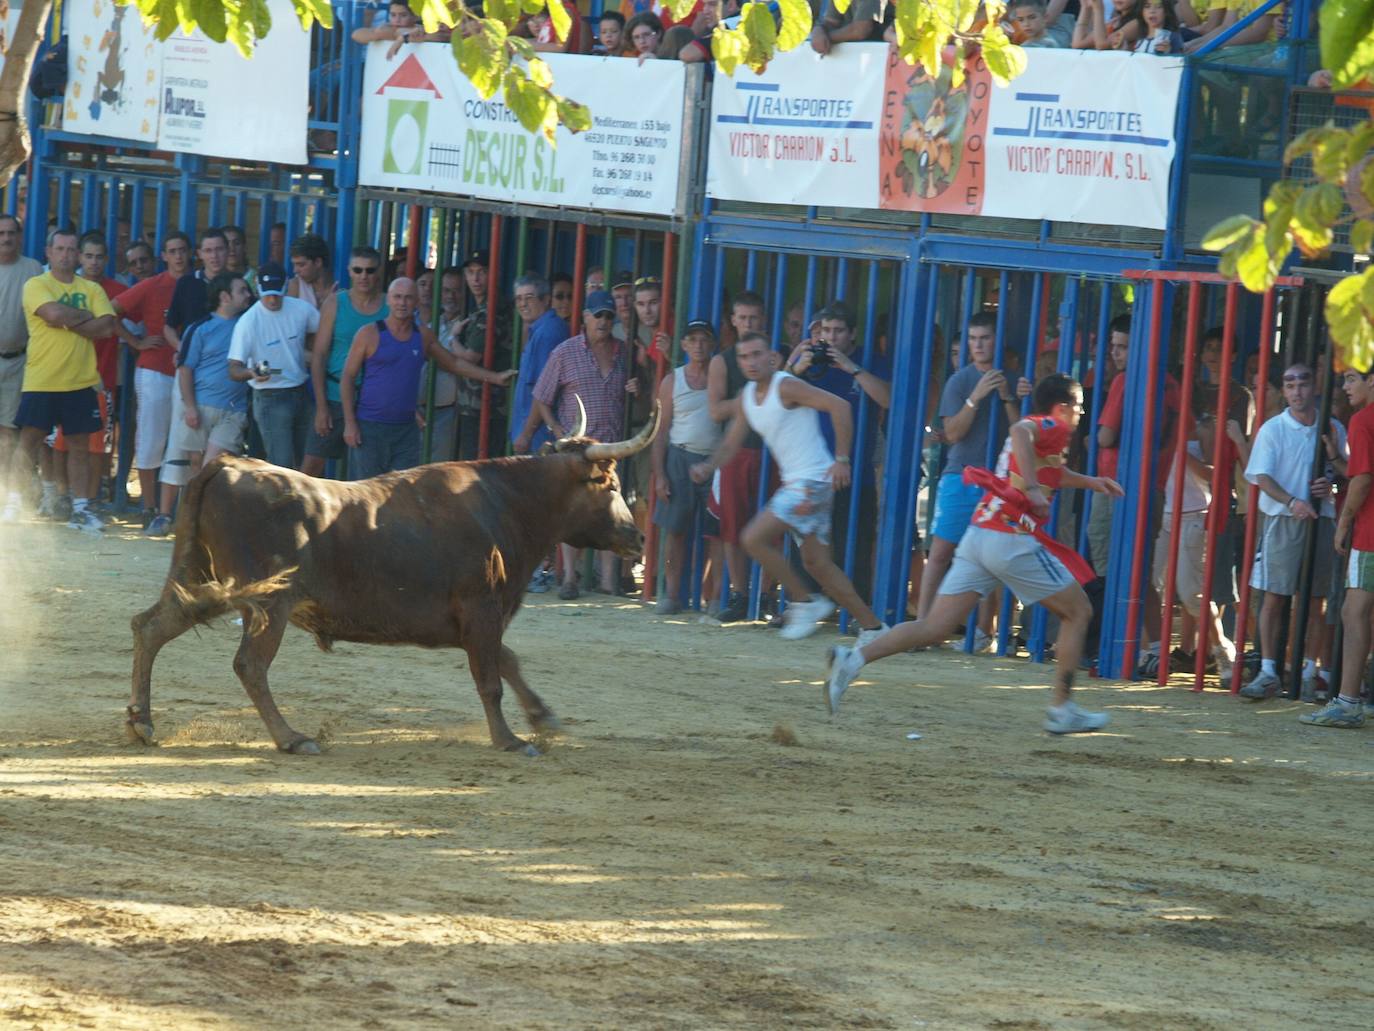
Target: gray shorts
{"x": 11, "y": 384}
{"x": 805, "y": 508}
{"x": 332, "y": 446}
{"x": 219, "y": 426}
{"x": 986, "y": 558}
{"x": 686, "y": 496}
{"x": 1278, "y": 563}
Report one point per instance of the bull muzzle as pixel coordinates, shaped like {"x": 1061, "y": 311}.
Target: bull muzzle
{"x": 624, "y": 448}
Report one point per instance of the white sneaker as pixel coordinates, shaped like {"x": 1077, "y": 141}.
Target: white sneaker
{"x": 842, "y": 666}
{"x": 869, "y": 636}
{"x": 86, "y": 521}
{"x": 1070, "y": 719}
{"x": 802, "y": 617}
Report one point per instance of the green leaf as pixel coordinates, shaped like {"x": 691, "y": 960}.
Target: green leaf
{"x": 727, "y": 47}
{"x": 1227, "y": 232}
{"x": 1350, "y": 321}
{"x": 482, "y": 56}
{"x": 760, "y": 34}
{"x": 210, "y": 17}
{"x": 1330, "y": 158}
{"x": 1347, "y": 40}
{"x": 574, "y": 116}
{"x": 680, "y": 8}
{"x": 538, "y": 71}
{"x": 558, "y": 15}
{"x": 1362, "y": 236}
{"x": 1315, "y": 212}
{"x": 1278, "y": 217}
{"x": 532, "y": 6}
{"x": 1256, "y": 265}
{"x": 796, "y": 23}
{"x": 1306, "y": 142}
{"x": 1359, "y": 141}
{"x": 839, "y": 6}
{"x": 308, "y": 11}
{"x": 432, "y": 13}
{"x": 535, "y": 107}
{"x": 1005, "y": 60}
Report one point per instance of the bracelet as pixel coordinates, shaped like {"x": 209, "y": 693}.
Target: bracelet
{"x": 970, "y": 403}
{"x": 842, "y": 459}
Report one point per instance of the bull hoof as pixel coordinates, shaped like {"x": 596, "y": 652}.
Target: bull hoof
{"x": 523, "y": 748}
{"x": 302, "y": 746}
{"x": 138, "y": 733}
{"x": 546, "y": 723}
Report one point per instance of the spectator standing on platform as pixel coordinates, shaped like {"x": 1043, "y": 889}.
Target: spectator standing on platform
{"x": 343, "y": 314}
{"x": 65, "y": 314}
{"x": 967, "y": 408}
{"x": 611, "y": 35}
{"x": 595, "y": 367}
{"x": 1354, "y": 537}
{"x": 312, "y": 281}
{"x": 785, "y": 412}
{"x": 738, "y": 480}
{"x": 380, "y": 424}
{"x": 268, "y": 352}
{"x": 15, "y": 271}
{"x": 687, "y": 435}
{"x": 1290, "y": 498}
{"x": 546, "y": 331}
{"x": 147, "y": 303}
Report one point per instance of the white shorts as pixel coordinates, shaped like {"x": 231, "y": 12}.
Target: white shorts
{"x": 154, "y": 392}
{"x": 218, "y": 426}
{"x": 986, "y": 558}
{"x": 11, "y": 384}
{"x": 1360, "y": 571}
{"x": 1192, "y": 558}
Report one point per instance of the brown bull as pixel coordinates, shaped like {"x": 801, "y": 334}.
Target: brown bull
{"x": 437, "y": 556}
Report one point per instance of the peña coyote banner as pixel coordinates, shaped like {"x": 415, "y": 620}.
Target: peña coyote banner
{"x": 1081, "y": 136}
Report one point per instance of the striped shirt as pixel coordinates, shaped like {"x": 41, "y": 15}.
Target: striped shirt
{"x": 572, "y": 370}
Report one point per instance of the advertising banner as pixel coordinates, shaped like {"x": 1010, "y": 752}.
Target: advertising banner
{"x": 114, "y": 72}
{"x": 218, "y": 103}
{"x": 1081, "y": 136}
{"x": 187, "y": 93}
{"x": 425, "y": 128}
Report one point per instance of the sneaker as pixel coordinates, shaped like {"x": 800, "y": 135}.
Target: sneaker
{"x": 804, "y": 616}
{"x": 47, "y": 507}
{"x": 1185, "y": 662}
{"x": 540, "y": 582}
{"x": 1335, "y": 714}
{"x": 1263, "y": 687}
{"x": 869, "y": 636}
{"x": 666, "y": 606}
{"x": 1148, "y": 669}
{"x": 736, "y": 609}
{"x": 86, "y": 522}
{"x": 569, "y": 591}
{"x": 842, "y": 665}
{"x": 161, "y": 526}
{"x": 1070, "y": 719}
{"x": 62, "y": 509}
{"x": 982, "y": 643}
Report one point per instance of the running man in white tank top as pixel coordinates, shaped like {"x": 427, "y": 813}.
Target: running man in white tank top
{"x": 784, "y": 411}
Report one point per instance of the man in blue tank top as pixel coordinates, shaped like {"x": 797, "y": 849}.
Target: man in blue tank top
{"x": 341, "y": 316}
{"x": 380, "y": 419}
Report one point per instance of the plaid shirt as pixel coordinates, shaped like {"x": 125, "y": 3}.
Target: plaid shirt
{"x": 572, "y": 369}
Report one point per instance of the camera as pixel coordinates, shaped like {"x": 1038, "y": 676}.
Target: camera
{"x": 820, "y": 356}
{"x": 263, "y": 368}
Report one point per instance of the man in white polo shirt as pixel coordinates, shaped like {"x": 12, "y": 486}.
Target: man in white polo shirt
{"x": 1281, "y": 467}
{"x": 268, "y": 352}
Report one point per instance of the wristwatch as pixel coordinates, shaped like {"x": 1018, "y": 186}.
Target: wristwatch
{"x": 842, "y": 459}
{"x": 970, "y": 403}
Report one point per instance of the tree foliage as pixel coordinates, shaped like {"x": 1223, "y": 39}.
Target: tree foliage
{"x": 1341, "y": 197}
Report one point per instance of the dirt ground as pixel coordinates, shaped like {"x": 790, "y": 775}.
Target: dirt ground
{"x": 669, "y": 863}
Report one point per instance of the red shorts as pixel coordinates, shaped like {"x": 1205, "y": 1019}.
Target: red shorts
{"x": 739, "y": 493}
{"x": 98, "y": 443}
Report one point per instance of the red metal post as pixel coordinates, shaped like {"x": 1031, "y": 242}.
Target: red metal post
{"x": 1252, "y": 504}
{"x": 1145, "y": 485}
{"x": 1166, "y": 614}
{"x": 665, "y": 324}
{"x": 1221, "y": 476}
{"x": 413, "y": 243}
{"x": 579, "y": 276}
{"x": 489, "y": 347}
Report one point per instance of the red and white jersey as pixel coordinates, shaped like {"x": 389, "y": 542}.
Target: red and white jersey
{"x": 1052, "y": 437}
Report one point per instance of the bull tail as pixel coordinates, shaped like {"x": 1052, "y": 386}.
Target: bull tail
{"x": 192, "y": 584}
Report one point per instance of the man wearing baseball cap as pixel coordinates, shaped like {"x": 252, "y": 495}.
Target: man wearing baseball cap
{"x": 593, "y": 366}
{"x": 268, "y": 352}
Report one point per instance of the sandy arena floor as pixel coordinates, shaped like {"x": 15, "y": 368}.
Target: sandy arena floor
{"x": 668, "y": 864}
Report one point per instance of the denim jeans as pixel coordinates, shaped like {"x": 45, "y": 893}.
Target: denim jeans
{"x": 386, "y": 447}
{"x": 283, "y": 417}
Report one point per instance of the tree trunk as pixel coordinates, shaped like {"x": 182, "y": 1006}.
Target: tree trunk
{"x": 14, "y": 79}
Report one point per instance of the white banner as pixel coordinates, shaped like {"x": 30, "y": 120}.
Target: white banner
{"x": 425, "y": 128}
{"x": 1081, "y": 136}
{"x": 218, "y": 103}
{"x": 187, "y": 94}
{"x": 114, "y": 72}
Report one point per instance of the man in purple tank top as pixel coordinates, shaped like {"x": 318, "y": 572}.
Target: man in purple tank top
{"x": 381, "y": 424}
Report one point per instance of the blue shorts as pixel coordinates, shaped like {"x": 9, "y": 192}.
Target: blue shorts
{"x": 805, "y": 508}
{"x": 955, "y": 501}
{"x": 75, "y": 411}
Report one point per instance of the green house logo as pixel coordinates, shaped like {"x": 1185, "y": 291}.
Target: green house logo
{"x": 409, "y": 92}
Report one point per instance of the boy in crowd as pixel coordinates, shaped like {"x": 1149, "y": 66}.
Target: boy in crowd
{"x": 785, "y": 412}
{"x": 1354, "y": 537}
{"x": 610, "y": 37}
{"x": 311, "y": 282}
{"x": 686, "y": 436}
{"x": 1030, "y": 25}
{"x": 1004, "y": 546}
{"x": 1291, "y": 499}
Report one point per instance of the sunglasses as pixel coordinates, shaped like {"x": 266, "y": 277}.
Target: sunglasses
{"x": 647, "y": 281}
{"x": 363, "y": 270}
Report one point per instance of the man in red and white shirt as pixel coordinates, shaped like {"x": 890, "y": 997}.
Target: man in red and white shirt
{"x": 1357, "y": 515}
{"x": 1004, "y": 544}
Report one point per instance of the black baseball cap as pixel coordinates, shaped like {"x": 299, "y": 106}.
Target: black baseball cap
{"x": 482, "y": 258}
{"x": 272, "y": 279}
{"x": 699, "y": 326}
{"x": 623, "y": 278}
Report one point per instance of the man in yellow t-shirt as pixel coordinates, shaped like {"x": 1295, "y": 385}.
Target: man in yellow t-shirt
{"x": 64, "y": 315}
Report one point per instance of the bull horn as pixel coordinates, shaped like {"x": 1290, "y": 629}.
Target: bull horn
{"x": 581, "y": 427}
{"x": 624, "y": 448}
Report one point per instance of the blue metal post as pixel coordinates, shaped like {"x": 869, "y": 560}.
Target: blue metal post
{"x": 112, "y": 224}
{"x": 161, "y": 215}
{"x": 90, "y": 202}
{"x": 64, "y": 201}
{"x": 860, "y": 471}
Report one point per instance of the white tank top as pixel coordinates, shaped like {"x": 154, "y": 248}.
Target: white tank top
{"x": 693, "y": 428}
{"x": 793, "y": 435}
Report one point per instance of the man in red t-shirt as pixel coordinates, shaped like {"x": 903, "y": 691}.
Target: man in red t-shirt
{"x": 1004, "y": 544}
{"x": 1346, "y": 709}
{"x": 147, "y": 302}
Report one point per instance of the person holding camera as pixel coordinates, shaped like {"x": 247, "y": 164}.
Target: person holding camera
{"x": 828, "y": 360}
